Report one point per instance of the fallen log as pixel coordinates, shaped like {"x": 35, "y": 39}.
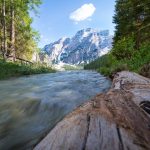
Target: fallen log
{"x": 116, "y": 120}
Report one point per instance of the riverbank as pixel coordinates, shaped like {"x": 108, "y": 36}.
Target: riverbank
{"x": 118, "y": 119}
{"x": 9, "y": 69}
{"x": 123, "y": 57}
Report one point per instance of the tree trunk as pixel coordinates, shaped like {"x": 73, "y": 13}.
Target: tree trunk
{"x": 4, "y": 30}
{"x": 1, "y": 29}
{"x": 13, "y": 31}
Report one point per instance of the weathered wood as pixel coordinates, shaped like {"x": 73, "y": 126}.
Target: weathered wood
{"x": 110, "y": 121}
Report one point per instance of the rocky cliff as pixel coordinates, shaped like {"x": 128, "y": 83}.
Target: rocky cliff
{"x": 85, "y": 46}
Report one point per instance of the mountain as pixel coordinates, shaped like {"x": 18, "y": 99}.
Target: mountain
{"x": 87, "y": 45}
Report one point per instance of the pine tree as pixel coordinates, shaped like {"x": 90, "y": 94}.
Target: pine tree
{"x": 17, "y": 37}
{"x": 132, "y": 19}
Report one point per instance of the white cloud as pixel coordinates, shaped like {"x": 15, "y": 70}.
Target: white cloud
{"x": 83, "y": 13}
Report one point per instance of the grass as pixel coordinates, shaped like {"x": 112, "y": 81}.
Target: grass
{"x": 72, "y": 67}
{"x": 9, "y": 69}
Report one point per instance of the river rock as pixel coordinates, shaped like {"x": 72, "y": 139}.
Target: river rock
{"x": 116, "y": 120}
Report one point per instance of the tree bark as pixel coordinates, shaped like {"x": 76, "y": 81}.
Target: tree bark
{"x": 4, "y": 30}
{"x": 13, "y": 31}
{"x": 1, "y": 28}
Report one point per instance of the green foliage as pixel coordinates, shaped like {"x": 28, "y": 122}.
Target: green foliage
{"x": 105, "y": 71}
{"x": 71, "y": 67}
{"x": 131, "y": 47}
{"x": 141, "y": 57}
{"x": 124, "y": 48}
{"x": 105, "y": 60}
{"x": 9, "y": 69}
{"x": 132, "y": 18}
{"x": 17, "y": 21}
{"x": 105, "y": 64}
{"x": 109, "y": 64}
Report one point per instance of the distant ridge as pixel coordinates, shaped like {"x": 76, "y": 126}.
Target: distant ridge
{"x": 87, "y": 45}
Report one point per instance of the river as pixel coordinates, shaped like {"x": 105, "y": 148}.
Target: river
{"x": 31, "y": 106}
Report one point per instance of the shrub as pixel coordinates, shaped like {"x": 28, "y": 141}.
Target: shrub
{"x": 9, "y": 69}
{"x": 141, "y": 57}
{"x": 124, "y": 48}
{"x": 124, "y": 56}
{"x": 105, "y": 71}
{"x": 145, "y": 70}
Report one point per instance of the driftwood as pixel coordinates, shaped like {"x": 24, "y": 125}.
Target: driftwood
{"x": 116, "y": 120}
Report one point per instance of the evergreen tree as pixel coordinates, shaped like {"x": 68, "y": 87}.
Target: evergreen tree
{"x": 17, "y": 37}
{"x": 132, "y": 19}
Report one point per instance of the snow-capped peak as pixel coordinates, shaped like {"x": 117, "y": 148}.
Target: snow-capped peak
{"x": 85, "y": 46}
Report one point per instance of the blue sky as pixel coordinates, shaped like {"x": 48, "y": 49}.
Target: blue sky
{"x": 59, "y": 18}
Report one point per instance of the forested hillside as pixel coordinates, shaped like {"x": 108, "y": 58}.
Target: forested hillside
{"x": 131, "y": 46}
{"x": 17, "y": 38}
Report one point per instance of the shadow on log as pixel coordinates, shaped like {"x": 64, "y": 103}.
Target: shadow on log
{"x": 116, "y": 120}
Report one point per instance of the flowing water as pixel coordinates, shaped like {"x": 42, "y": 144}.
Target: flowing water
{"x": 31, "y": 106}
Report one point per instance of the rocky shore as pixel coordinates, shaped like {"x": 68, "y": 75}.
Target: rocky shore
{"x": 116, "y": 120}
